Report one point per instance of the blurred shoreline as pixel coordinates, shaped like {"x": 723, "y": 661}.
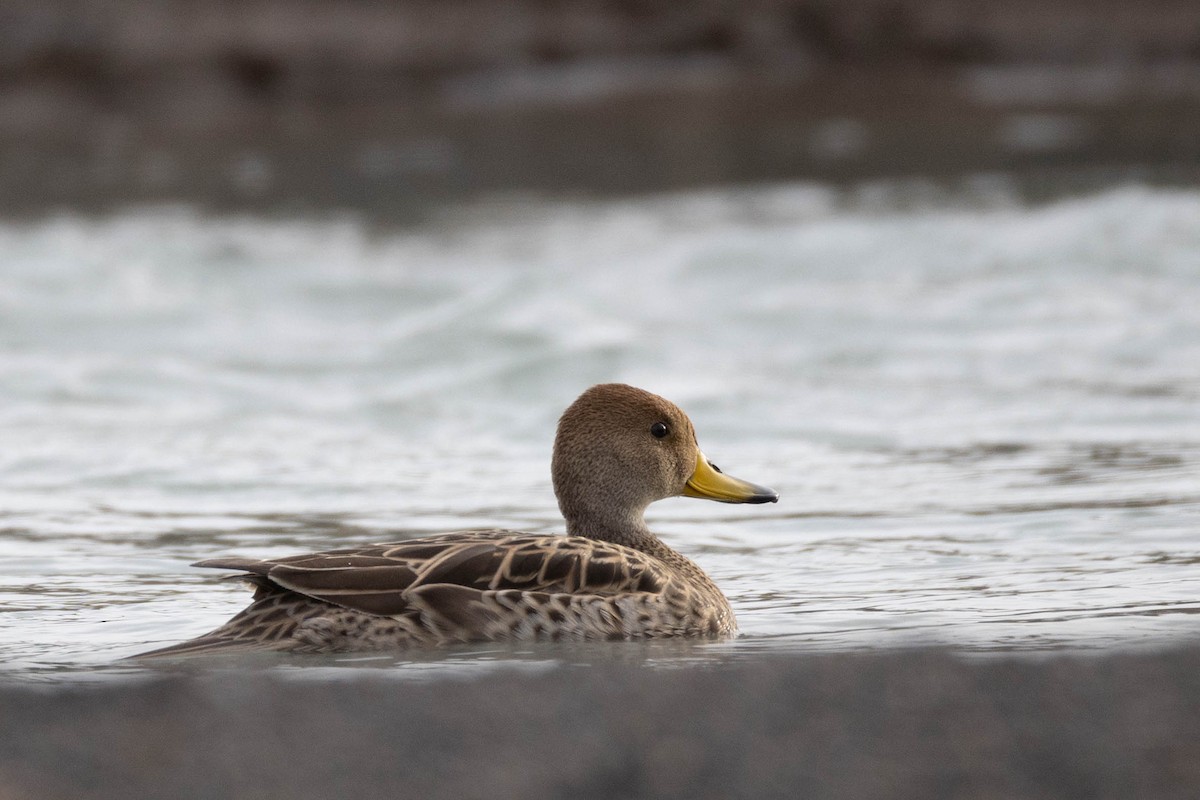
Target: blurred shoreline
{"x": 392, "y": 109}
{"x": 898, "y": 724}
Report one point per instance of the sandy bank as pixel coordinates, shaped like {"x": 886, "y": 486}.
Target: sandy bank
{"x": 919, "y": 724}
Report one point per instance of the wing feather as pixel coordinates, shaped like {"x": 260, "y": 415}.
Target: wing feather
{"x": 386, "y": 579}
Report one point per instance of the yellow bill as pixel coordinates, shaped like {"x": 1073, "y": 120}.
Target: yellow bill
{"x": 709, "y": 483}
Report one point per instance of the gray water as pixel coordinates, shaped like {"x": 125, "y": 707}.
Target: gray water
{"x": 983, "y": 418}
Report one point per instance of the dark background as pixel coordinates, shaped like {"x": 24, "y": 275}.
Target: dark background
{"x": 396, "y": 107}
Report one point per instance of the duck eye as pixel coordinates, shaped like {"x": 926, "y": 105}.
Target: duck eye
{"x": 659, "y": 429}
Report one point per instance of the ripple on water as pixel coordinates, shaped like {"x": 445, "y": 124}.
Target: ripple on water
{"x": 982, "y": 423}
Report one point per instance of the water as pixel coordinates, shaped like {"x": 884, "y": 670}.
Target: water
{"x": 983, "y": 418}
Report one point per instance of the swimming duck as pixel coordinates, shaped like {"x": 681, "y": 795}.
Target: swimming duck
{"x": 617, "y": 450}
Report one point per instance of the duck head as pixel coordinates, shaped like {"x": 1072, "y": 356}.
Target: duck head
{"x": 618, "y": 449}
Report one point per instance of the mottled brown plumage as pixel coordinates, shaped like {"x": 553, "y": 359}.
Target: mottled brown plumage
{"x": 617, "y": 450}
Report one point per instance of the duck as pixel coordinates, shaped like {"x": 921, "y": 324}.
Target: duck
{"x": 617, "y": 449}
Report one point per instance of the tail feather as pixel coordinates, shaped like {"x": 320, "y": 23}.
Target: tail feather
{"x": 203, "y": 645}
{"x": 267, "y": 624}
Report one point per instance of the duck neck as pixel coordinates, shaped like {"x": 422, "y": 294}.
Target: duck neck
{"x": 628, "y": 530}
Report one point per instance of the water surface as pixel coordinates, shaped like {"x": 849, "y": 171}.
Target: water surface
{"x": 983, "y": 418}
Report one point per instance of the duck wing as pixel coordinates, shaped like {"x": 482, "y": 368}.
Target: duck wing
{"x": 386, "y": 579}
